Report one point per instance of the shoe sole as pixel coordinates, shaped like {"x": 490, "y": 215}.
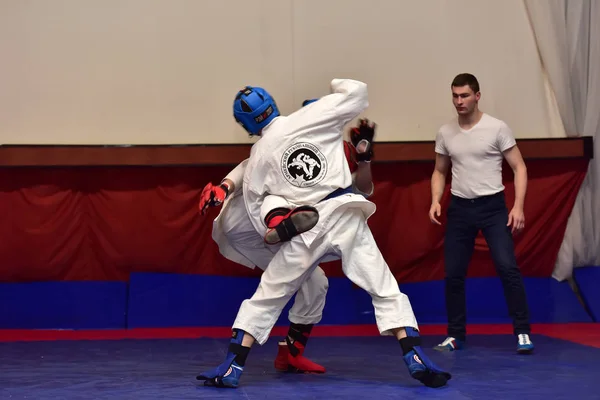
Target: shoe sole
{"x": 430, "y": 379}
{"x": 294, "y": 370}
{"x": 445, "y": 349}
{"x": 524, "y": 351}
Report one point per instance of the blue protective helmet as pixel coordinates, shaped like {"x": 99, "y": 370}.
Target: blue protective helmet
{"x": 254, "y": 108}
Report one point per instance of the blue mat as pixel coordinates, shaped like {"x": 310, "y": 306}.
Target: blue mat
{"x": 171, "y": 300}
{"x": 588, "y": 281}
{"x": 179, "y": 300}
{"x": 357, "y": 368}
{"x": 63, "y": 305}
{"x": 549, "y": 301}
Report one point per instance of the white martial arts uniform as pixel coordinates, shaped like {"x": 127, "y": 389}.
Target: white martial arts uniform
{"x": 239, "y": 242}
{"x": 300, "y": 159}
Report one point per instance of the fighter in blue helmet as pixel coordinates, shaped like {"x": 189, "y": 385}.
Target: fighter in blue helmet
{"x": 239, "y": 242}
{"x": 300, "y": 161}
{"x": 254, "y": 108}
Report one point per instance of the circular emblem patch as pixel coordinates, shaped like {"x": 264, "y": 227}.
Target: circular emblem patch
{"x": 303, "y": 165}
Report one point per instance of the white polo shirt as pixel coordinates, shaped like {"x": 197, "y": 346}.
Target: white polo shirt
{"x": 476, "y": 155}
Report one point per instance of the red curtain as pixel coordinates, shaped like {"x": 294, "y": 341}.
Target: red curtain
{"x": 103, "y": 223}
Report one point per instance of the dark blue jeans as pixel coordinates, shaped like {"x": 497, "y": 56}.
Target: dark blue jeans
{"x": 466, "y": 217}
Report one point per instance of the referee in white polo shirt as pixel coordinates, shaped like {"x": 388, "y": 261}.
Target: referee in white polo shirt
{"x": 475, "y": 144}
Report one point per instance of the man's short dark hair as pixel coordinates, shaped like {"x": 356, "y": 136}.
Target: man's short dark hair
{"x": 466, "y": 79}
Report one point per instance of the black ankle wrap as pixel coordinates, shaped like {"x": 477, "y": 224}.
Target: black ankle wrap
{"x": 409, "y": 342}
{"x": 241, "y": 353}
{"x": 297, "y": 333}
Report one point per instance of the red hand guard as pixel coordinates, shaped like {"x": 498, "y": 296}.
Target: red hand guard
{"x": 212, "y": 196}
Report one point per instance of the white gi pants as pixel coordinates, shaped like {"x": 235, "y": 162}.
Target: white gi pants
{"x": 348, "y": 236}
{"x": 243, "y": 238}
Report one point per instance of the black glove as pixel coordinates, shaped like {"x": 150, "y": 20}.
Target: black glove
{"x": 362, "y": 139}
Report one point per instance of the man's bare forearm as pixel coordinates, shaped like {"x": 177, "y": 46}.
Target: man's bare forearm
{"x": 520, "y": 186}
{"x": 438, "y": 183}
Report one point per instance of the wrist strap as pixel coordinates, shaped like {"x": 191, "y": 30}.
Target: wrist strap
{"x": 225, "y": 187}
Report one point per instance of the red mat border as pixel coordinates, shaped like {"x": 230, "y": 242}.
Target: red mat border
{"x": 583, "y": 333}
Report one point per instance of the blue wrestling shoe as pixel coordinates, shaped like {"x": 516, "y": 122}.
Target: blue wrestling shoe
{"x": 450, "y": 344}
{"x": 419, "y": 365}
{"x": 524, "y": 344}
{"x": 228, "y": 374}
{"x": 229, "y": 379}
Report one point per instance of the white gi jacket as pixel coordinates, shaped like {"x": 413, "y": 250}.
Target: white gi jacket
{"x": 301, "y": 159}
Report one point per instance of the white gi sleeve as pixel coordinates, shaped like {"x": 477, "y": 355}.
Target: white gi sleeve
{"x": 237, "y": 176}
{"x": 351, "y": 98}
{"x": 348, "y": 99}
